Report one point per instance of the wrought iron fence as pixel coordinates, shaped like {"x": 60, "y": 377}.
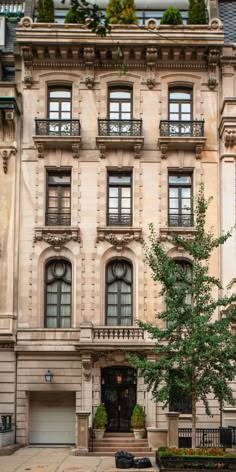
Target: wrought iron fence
{"x": 5, "y": 423}
{"x": 119, "y": 219}
{"x": 182, "y": 128}
{"x": 181, "y": 219}
{"x": 119, "y": 127}
{"x": 57, "y": 219}
{"x": 233, "y": 428}
{"x": 49, "y": 127}
{"x": 206, "y": 437}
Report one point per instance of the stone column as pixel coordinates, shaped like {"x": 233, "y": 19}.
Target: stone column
{"x": 82, "y": 432}
{"x": 173, "y": 424}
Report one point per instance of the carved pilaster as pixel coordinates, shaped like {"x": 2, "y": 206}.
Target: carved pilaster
{"x": 6, "y": 154}
{"x": 151, "y": 59}
{"x": 213, "y": 61}
{"x": 89, "y": 57}
{"x": 9, "y": 117}
{"x": 198, "y": 151}
{"x": 27, "y": 56}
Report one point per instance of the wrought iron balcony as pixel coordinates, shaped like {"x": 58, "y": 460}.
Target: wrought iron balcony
{"x": 119, "y": 127}
{"x": 119, "y": 219}
{"x": 57, "y": 219}
{"x": 181, "y": 220}
{"x": 49, "y": 127}
{"x": 192, "y": 129}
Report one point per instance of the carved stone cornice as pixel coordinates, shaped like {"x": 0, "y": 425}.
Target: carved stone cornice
{"x": 165, "y": 233}
{"x": 27, "y": 57}
{"x": 119, "y": 237}
{"x": 6, "y": 154}
{"x": 57, "y": 237}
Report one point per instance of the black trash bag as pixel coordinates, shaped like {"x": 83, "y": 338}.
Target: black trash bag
{"x": 124, "y": 460}
{"x": 142, "y": 463}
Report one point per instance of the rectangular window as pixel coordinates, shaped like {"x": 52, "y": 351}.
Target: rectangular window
{"x": 180, "y": 402}
{"x": 120, "y": 111}
{"x": 59, "y": 110}
{"x": 58, "y": 207}
{"x": 119, "y": 206}
{"x": 180, "y": 212}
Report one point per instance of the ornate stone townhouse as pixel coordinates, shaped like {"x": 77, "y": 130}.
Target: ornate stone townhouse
{"x": 90, "y": 155}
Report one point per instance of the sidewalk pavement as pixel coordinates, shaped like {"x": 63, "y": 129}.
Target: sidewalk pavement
{"x": 58, "y": 459}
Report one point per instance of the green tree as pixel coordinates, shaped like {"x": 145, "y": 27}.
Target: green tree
{"x": 197, "y": 12}
{"x": 121, "y": 12}
{"x": 172, "y": 16}
{"x": 196, "y": 351}
{"x": 45, "y": 11}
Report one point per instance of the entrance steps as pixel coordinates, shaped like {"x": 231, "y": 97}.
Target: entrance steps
{"x": 114, "y": 442}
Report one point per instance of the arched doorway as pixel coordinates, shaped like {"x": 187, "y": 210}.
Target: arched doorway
{"x": 119, "y": 396}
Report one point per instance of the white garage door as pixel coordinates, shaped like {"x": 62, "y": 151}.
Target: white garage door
{"x": 52, "y": 418}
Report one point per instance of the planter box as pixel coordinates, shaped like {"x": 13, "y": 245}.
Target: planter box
{"x": 180, "y": 463}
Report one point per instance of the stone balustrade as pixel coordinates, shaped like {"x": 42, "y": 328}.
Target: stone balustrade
{"x": 131, "y": 333}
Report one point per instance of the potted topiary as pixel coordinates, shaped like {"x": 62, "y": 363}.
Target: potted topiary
{"x": 172, "y": 16}
{"x": 100, "y": 421}
{"x": 138, "y": 422}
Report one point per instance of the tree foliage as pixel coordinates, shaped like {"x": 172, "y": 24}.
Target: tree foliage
{"x": 90, "y": 15}
{"x": 121, "y": 12}
{"x": 196, "y": 350}
{"x": 172, "y": 16}
{"x": 197, "y": 12}
{"x": 45, "y": 11}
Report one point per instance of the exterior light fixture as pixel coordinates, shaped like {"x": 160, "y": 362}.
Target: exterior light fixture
{"x": 48, "y": 376}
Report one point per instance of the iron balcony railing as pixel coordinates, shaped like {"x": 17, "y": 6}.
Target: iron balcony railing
{"x": 57, "y": 219}
{"x": 206, "y": 437}
{"x": 192, "y": 129}
{"x": 49, "y": 127}
{"x": 181, "y": 219}
{"x": 119, "y": 219}
{"x": 119, "y": 127}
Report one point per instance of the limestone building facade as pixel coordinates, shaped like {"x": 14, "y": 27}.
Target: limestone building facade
{"x": 95, "y": 145}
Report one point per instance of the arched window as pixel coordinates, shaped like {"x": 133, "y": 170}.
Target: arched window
{"x": 58, "y": 294}
{"x": 119, "y": 281}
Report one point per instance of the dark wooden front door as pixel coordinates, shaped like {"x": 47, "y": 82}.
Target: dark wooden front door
{"x": 119, "y": 396}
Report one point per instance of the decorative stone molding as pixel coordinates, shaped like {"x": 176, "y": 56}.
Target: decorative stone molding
{"x": 25, "y": 22}
{"x": 75, "y": 151}
{"x": 86, "y": 366}
{"x": 230, "y": 137}
{"x": 40, "y": 149}
{"x": 102, "y": 149}
{"x": 151, "y": 58}
{"x": 215, "y": 24}
{"x": 213, "y": 61}
{"x": 6, "y": 154}
{"x": 119, "y": 237}
{"x": 198, "y": 151}
{"x": 89, "y": 81}
{"x": 165, "y": 233}
{"x": 27, "y": 56}
{"x": 137, "y": 151}
{"x": 89, "y": 57}
{"x": 57, "y": 237}
{"x": 164, "y": 151}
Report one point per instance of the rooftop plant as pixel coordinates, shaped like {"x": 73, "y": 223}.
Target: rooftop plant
{"x": 197, "y": 12}
{"x": 121, "y": 12}
{"x": 45, "y": 11}
{"x": 172, "y": 16}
